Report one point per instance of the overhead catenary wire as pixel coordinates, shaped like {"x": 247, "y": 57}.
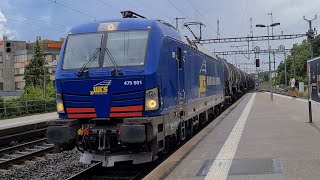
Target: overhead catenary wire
{"x": 105, "y": 3}
{"x": 184, "y": 15}
{"x": 204, "y": 19}
{"x": 33, "y": 19}
{"x": 33, "y": 24}
{"x": 110, "y": 6}
{"x": 75, "y": 10}
{"x": 312, "y": 11}
{"x": 139, "y": 9}
{"x": 242, "y": 19}
{"x": 118, "y": 10}
{"x": 136, "y": 4}
{"x": 245, "y": 12}
{"x": 153, "y": 9}
{"x": 179, "y": 10}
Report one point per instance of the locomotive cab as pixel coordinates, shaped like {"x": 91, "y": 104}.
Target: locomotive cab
{"x": 128, "y": 89}
{"x": 107, "y": 90}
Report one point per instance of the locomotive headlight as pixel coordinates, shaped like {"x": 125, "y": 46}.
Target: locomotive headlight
{"x": 151, "y": 104}
{"x": 60, "y": 107}
{"x": 152, "y": 99}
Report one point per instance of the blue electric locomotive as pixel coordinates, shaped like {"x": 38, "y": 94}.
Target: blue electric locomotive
{"x": 130, "y": 88}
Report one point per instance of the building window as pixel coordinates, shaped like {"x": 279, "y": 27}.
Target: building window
{"x": 19, "y": 85}
{"x": 16, "y": 85}
{"x": 1, "y": 86}
{"x": 1, "y": 72}
{"x": 18, "y": 71}
{"x": 20, "y": 58}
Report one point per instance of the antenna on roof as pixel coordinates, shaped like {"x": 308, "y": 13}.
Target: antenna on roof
{"x": 131, "y": 14}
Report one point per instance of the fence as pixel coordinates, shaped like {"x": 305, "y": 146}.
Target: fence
{"x": 10, "y": 109}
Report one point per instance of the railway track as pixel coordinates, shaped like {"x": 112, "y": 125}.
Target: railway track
{"x": 86, "y": 173}
{"x": 20, "y": 136}
{"x": 115, "y": 173}
{"x": 129, "y": 172}
{"x": 17, "y": 154}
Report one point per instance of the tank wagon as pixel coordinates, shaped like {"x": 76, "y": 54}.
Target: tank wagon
{"x": 236, "y": 81}
{"x": 128, "y": 89}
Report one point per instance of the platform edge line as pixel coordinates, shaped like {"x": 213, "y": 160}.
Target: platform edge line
{"x": 221, "y": 166}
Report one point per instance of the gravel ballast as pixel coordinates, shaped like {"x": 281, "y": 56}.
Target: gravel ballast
{"x": 53, "y": 166}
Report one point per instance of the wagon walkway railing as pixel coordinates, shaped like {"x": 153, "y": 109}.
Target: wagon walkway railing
{"x": 11, "y": 109}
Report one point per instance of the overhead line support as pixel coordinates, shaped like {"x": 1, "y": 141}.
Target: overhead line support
{"x": 254, "y": 38}
{"x": 276, "y": 51}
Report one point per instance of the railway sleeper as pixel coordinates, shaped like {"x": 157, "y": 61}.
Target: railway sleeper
{"x": 22, "y": 152}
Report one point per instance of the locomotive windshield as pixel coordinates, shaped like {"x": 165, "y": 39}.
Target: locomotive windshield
{"x": 126, "y": 48}
{"x": 79, "y": 49}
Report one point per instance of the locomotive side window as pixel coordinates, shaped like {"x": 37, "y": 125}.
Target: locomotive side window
{"x": 179, "y": 57}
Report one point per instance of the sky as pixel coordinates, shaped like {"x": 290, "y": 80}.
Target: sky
{"x": 50, "y": 19}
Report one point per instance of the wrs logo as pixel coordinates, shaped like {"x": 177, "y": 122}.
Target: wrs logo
{"x": 101, "y": 88}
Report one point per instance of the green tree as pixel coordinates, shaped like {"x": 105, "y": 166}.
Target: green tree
{"x": 297, "y": 61}
{"x": 36, "y": 71}
{"x": 265, "y": 77}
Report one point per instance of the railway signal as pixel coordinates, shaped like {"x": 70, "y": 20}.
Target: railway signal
{"x": 257, "y": 62}
{"x": 8, "y": 47}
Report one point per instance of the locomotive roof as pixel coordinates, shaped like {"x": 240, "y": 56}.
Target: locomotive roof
{"x": 124, "y": 24}
{"x": 127, "y": 24}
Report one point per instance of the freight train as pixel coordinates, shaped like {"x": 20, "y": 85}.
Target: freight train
{"x": 128, "y": 89}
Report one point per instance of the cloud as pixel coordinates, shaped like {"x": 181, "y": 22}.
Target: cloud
{"x": 47, "y": 19}
{"x": 4, "y": 30}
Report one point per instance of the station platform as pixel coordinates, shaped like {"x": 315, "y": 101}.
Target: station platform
{"x": 27, "y": 120}
{"x": 256, "y": 139}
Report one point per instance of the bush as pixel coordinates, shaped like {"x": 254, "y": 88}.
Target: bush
{"x": 302, "y": 94}
{"x": 30, "y": 102}
{"x": 16, "y": 107}
{"x": 51, "y": 93}
{"x": 31, "y": 93}
{"x": 36, "y": 93}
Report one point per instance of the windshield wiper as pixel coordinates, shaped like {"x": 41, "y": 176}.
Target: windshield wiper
{"x": 113, "y": 61}
{"x": 92, "y": 57}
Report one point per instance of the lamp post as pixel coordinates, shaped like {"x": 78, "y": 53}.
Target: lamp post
{"x": 45, "y": 66}
{"x": 270, "y": 74}
{"x": 281, "y": 48}
{"x": 270, "y": 14}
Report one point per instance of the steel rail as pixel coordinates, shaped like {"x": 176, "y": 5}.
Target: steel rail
{"x": 86, "y": 172}
{"x": 17, "y": 154}
{"x": 7, "y": 139}
{"x": 98, "y": 172}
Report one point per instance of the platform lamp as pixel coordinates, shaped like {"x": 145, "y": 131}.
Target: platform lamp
{"x": 270, "y": 74}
